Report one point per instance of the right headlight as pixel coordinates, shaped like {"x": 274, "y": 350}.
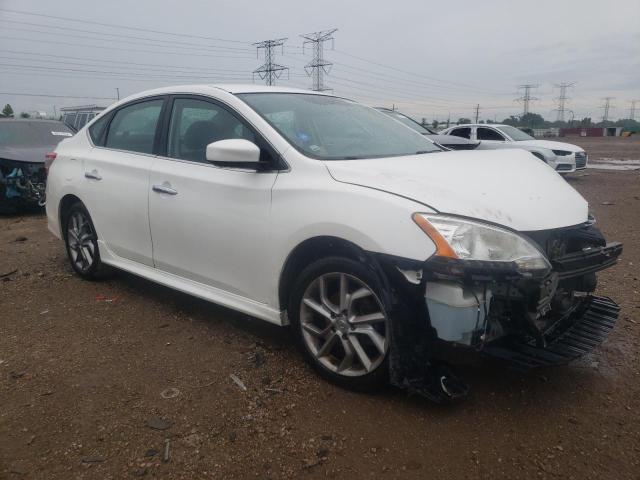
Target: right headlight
{"x": 470, "y": 240}
{"x": 561, "y": 153}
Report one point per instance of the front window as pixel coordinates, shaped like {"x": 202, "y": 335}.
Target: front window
{"x": 516, "y": 134}
{"x": 197, "y": 123}
{"x": 330, "y": 128}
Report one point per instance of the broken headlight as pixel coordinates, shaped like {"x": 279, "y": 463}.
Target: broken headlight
{"x": 470, "y": 240}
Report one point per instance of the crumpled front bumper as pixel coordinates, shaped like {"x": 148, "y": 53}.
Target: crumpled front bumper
{"x": 420, "y": 357}
{"x": 583, "y": 331}
{"x": 537, "y": 329}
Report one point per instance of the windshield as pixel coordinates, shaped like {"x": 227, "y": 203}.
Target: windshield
{"x": 516, "y": 134}
{"x": 14, "y": 133}
{"x": 330, "y": 128}
{"x": 409, "y": 122}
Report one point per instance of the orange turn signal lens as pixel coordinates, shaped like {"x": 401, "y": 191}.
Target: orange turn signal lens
{"x": 443, "y": 249}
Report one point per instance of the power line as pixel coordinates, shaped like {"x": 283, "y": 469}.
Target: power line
{"x": 110, "y": 72}
{"x": 124, "y": 27}
{"x": 119, "y": 49}
{"x": 526, "y": 97}
{"x": 54, "y": 96}
{"x": 406, "y": 72}
{"x": 270, "y": 70}
{"x": 66, "y": 31}
{"x": 562, "y": 99}
{"x": 318, "y": 66}
{"x": 125, "y": 64}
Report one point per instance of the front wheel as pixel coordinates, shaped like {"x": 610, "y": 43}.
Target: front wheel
{"x": 342, "y": 323}
{"x": 81, "y": 242}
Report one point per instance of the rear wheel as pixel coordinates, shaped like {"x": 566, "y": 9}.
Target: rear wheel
{"x": 81, "y": 242}
{"x": 341, "y": 322}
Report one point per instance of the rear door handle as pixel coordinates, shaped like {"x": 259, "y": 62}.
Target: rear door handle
{"x": 93, "y": 175}
{"x": 165, "y": 188}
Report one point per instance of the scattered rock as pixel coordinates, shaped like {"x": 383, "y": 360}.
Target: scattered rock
{"x": 152, "y": 452}
{"x": 322, "y": 453}
{"x": 607, "y": 203}
{"x": 141, "y": 472}
{"x": 158, "y": 423}
{"x": 20, "y": 239}
{"x": 17, "y": 375}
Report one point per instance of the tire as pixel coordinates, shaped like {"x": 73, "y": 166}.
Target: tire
{"x": 81, "y": 242}
{"x": 328, "y": 332}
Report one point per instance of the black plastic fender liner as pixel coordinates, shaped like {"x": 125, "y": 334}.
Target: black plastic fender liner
{"x": 412, "y": 366}
{"x": 586, "y": 328}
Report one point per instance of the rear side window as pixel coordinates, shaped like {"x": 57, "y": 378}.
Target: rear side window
{"x": 133, "y": 128}
{"x": 461, "y": 132}
{"x": 97, "y": 130}
{"x": 489, "y": 134}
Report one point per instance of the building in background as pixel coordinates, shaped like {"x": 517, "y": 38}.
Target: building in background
{"x": 591, "y": 132}
{"x": 77, "y": 117}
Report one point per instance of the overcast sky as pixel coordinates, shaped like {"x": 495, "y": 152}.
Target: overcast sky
{"x": 430, "y": 59}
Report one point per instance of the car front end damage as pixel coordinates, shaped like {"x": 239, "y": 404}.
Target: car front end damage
{"x": 526, "y": 317}
{"x": 22, "y": 184}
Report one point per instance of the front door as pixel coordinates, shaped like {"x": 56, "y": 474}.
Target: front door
{"x": 209, "y": 224}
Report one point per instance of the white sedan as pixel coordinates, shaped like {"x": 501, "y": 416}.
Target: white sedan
{"x": 562, "y": 157}
{"x": 305, "y": 209}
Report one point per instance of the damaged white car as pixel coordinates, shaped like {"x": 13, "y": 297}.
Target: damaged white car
{"x": 381, "y": 251}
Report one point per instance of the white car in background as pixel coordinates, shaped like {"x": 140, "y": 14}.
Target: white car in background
{"x": 379, "y": 249}
{"x": 562, "y": 157}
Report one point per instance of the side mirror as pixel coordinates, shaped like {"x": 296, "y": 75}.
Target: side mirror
{"x": 236, "y": 151}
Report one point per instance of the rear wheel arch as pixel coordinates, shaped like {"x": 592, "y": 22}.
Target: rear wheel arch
{"x": 65, "y": 205}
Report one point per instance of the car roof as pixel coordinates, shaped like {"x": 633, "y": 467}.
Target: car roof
{"x": 233, "y": 88}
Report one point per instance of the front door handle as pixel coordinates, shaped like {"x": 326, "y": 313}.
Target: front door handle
{"x": 93, "y": 175}
{"x": 165, "y": 187}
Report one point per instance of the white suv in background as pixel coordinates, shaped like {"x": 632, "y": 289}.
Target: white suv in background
{"x": 380, "y": 250}
{"x": 563, "y": 157}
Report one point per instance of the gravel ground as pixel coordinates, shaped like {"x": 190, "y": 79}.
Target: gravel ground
{"x": 98, "y": 379}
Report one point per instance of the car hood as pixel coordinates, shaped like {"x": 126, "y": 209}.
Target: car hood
{"x": 507, "y": 187}
{"x": 551, "y": 145}
{"x": 25, "y": 154}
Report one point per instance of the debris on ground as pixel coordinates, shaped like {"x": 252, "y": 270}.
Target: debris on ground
{"x": 170, "y": 393}
{"x": 238, "y": 382}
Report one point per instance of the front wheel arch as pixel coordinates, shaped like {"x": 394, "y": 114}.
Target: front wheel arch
{"x": 316, "y": 248}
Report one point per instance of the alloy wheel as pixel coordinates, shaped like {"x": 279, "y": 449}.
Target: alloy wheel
{"x": 81, "y": 241}
{"x": 344, "y": 324}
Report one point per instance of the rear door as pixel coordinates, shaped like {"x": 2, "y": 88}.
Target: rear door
{"x": 210, "y": 223}
{"x": 116, "y": 177}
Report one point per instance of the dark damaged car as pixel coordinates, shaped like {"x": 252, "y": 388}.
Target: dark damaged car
{"x": 24, "y": 146}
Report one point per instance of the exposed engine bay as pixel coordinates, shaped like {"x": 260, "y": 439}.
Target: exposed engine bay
{"x": 22, "y": 183}
{"x": 526, "y": 320}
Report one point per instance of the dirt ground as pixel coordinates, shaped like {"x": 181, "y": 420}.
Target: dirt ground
{"x": 85, "y": 368}
{"x": 627, "y": 148}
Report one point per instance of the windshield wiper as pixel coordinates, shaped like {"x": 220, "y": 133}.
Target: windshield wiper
{"x": 420, "y": 152}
